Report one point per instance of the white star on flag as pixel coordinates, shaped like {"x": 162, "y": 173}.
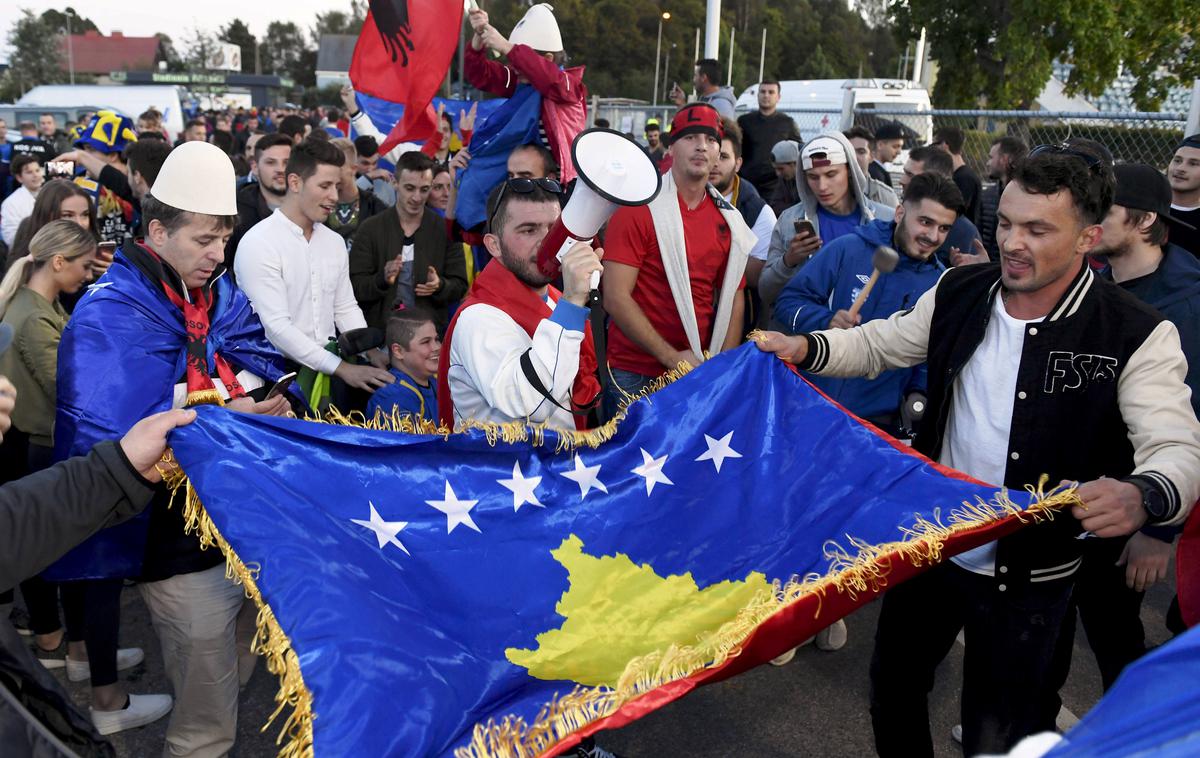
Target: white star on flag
{"x": 457, "y": 511}
{"x": 385, "y": 531}
{"x": 522, "y": 487}
{"x": 719, "y": 450}
{"x": 652, "y": 471}
{"x": 586, "y": 477}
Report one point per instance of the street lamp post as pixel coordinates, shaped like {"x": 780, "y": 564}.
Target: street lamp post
{"x": 666, "y": 16}
{"x": 70, "y": 48}
{"x": 667, "y": 66}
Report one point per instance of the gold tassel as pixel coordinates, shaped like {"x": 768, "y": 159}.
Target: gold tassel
{"x": 204, "y": 397}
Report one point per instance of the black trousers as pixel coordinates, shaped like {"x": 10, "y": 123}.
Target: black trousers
{"x": 1010, "y": 638}
{"x": 1110, "y": 612}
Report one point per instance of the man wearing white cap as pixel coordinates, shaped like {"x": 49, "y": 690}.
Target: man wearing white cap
{"x": 164, "y": 328}
{"x": 833, "y": 202}
{"x": 536, "y": 57}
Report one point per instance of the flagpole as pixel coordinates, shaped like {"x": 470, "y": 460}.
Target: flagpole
{"x": 729, "y": 76}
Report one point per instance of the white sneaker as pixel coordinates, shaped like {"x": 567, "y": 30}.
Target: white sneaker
{"x": 127, "y": 658}
{"x": 784, "y": 659}
{"x": 141, "y": 710}
{"x": 832, "y": 637}
{"x": 956, "y": 733}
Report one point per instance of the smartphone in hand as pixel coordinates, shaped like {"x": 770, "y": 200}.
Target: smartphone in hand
{"x": 804, "y": 226}
{"x": 281, "y": 386}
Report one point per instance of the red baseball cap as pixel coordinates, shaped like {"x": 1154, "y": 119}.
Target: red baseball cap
{"x": 697, "y": 118}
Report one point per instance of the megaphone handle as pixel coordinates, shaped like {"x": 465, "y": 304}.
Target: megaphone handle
{"x": 594, "y": 295}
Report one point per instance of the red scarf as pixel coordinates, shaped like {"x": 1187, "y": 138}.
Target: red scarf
{"x": 496, "y": 286}
{"x": 200, "y": 387}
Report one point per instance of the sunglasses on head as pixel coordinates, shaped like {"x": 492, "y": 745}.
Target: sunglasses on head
{"x": 522, "y": 186}
{"x": 1093, "y": 162}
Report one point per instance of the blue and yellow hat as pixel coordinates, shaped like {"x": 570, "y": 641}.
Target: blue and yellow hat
{"x": 107, "y": 132}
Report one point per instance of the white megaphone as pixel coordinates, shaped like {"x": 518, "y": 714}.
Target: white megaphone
{"x": 613, "y": 171}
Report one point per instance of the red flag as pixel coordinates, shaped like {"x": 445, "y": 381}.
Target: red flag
{"x": 402, "y": 55}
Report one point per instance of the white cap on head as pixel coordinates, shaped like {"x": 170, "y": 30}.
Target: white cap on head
{"x": 198, "y": 177}
{"x": 538, "y": 29}
{"x": 823, "y": 151}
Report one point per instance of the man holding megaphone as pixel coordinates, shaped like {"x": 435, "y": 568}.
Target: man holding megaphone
{"x": 518, "y": 350}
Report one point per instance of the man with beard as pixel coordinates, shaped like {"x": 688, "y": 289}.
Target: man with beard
{"x": 1005, "y": 153}
{"x": 819, "y": 297}
{"x": 257, "y": 200}
{"x": 519, "y": 350}
{"x": 761, "y": 131}
{"x": 674, "y": 267}
{"x": 743, "y": 196}
{"x": 1184, "y": 176}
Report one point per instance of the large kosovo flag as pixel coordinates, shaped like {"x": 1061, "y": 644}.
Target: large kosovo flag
{"x": 509, "y": 590}
{"x": 402, "y": 55}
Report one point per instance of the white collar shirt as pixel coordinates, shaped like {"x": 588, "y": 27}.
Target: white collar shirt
{"x": 300, "y": 288}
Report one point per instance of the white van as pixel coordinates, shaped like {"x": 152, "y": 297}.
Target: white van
{"x": 128, "y": 100}
{"x": 822, "y": 105}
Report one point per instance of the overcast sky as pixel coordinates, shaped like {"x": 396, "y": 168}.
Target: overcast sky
{"x": 142, "y": 18}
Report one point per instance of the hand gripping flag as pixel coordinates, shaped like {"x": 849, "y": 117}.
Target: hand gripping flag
{"x": 508, "y": 590}
{"x": 402, "y": 56}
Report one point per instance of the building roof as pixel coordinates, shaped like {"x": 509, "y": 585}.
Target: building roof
{"x": 335, "y": 51}
{"x": 94, "y": 53}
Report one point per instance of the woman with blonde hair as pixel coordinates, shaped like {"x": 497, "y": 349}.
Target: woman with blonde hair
{"x": 59, "y": 262}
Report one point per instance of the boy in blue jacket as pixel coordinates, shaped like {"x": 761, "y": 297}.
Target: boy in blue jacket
{"x": 414, "y": 349}
{"x": 820, "y": 296}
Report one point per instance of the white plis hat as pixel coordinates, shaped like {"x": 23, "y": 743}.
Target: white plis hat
{"x": 538, "y": 30}
{"x": 198, "y": 177}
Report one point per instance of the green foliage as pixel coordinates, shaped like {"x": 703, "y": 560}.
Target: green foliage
{"x": 36, "y": 56}
{"x": 285, "y": 51}
{"x": 340, "y": 22}
{"x": 1000, "y": 53}
{"x": 58, "y": 20}
{"x": 237, "y": 33}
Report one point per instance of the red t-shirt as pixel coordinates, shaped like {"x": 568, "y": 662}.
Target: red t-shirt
{"x": 631, "y": 240}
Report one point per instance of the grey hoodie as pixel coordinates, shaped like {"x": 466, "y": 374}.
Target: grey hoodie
{"x": 723, "y": 100}
{"x": 776, "y": 274}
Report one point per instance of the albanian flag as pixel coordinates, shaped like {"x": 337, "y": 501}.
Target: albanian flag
{"x": 402, "y": 56}
{"x": 508, "y": 590}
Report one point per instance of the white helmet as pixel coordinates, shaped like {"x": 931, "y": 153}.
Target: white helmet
{"x": 198, "y": 177}
{"x": 538, "y": 30}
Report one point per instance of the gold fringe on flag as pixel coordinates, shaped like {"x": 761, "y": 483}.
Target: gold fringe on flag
{"x": 864, "y": 570}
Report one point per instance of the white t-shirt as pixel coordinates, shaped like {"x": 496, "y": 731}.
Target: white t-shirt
{"x": 981, "y": 415}
{"x": 762, "y": 228}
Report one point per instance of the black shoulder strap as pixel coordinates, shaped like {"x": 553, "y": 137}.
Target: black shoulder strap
{"x": 536, "y": 382}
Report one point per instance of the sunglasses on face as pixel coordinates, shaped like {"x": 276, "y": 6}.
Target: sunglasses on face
{"x": 522, "y": 186}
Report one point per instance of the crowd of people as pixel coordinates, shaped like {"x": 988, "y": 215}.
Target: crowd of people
{"x": 279, "y": 262}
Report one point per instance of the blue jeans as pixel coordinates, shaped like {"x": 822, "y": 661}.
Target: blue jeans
{"x": 622, "y": 386}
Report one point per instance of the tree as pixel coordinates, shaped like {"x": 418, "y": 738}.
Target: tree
{"x": 175, "y": 63}
{"x": 285, "y": 52}
{"x": 1001, "y": 52}
{"x": 58, "y": 20}
{"x": 237, "y": 33}
{"x": 197, "y": 49}
{"x": 340, "y": 22}
{"x": 36, "y": 56}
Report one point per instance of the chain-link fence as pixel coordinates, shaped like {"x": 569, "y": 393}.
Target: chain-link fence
{"x": 1144, "y": 137}
{"x": 1131, "y": 137}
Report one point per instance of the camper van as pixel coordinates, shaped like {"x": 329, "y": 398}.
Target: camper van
{"x": 128, "y": 100}
{"x": 823, "y": 105}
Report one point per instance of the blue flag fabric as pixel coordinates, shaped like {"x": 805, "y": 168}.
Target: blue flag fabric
{"x": 1153, "y": 709}
{"x": 385, "y": 114}
{"x": 429, "y": 585}
{"x": 121, "y": 355}
{"x": 513, "y": 124}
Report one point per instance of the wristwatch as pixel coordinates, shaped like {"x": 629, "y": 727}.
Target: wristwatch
{"x": 1153, "y": 501}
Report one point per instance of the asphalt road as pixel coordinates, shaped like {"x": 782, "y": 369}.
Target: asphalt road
{"x": 814, "y": 706}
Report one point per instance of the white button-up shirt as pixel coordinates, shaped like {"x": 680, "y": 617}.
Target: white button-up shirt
{"x": 300, "y": 288}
